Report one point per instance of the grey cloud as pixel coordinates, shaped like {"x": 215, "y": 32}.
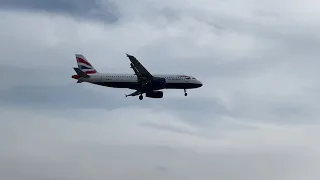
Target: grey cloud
{"x": 275, "y": 42}
{"x": 162, "y": 169}
{"x": 259, "y": 68}
{"x": 74, "y": 96}
{"x": 96, "y": 162}
{"x": 101, "y": 10}
{"x": 42, "y": 148}
{"x": 165, "y": 127}
{"x": 58, "y": 97}
{"x": 277, "y": 109}
{"x": 49, "y": 89}
{"x": 19, "y": 76}
{"x": 199, "y": 111}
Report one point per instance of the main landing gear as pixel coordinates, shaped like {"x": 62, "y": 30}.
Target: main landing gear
{"x": 140, "y": 97}
{"x": 185, "y": 92}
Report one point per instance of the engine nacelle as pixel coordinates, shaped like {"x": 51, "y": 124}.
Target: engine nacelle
{"x": 154, "y": 94}
{"x": 158, "y": 83}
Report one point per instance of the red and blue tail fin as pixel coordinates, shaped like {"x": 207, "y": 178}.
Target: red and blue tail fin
{"x": 84, "y": 65}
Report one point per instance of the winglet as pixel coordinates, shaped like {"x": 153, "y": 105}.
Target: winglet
{"x": 129, "y": 56}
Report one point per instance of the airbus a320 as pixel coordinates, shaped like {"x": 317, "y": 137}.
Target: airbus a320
{"x": 142, "y": 81}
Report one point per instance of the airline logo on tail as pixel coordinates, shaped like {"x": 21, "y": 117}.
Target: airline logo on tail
{"x": 84, "y": 65}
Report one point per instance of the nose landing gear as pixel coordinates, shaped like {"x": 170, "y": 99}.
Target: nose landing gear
{"x": 185, "y": 92}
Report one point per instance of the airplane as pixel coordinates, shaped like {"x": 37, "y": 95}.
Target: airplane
{"x": 142, "y": 81}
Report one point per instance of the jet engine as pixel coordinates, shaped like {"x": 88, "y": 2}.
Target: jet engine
{"x": 154, "y": 94}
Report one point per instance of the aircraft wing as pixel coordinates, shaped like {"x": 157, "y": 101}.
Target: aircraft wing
{"x": 139, "y": 69}
{"x": 136, "y": 72}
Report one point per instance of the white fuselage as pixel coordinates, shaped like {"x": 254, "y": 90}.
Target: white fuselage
{"x": 131, "y": 81}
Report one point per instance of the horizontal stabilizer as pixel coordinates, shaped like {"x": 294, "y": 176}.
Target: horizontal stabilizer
{"x": 81, "y": 73}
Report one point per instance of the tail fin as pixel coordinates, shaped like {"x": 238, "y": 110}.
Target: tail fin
{"x": 84, "y": 65}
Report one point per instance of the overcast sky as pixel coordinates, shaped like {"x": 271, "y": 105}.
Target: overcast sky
{"x": 256, "y": 117}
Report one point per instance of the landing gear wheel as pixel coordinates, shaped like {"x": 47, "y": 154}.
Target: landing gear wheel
{"x": 185, "y": 93}
{"x": 141, "y": 97}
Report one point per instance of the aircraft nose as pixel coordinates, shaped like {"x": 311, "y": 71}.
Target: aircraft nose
{"x": 200, "y": 83}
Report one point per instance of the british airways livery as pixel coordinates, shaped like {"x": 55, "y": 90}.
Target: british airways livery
{"x": 142, "y": 81}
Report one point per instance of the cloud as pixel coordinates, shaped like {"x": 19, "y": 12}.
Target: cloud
{"x": 34, "y": 144}
{"x": 256, "y": 117}
{"x": 103, "y": 10}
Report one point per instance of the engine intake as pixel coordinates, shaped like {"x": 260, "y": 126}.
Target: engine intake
{"x": 154, "y": 94}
